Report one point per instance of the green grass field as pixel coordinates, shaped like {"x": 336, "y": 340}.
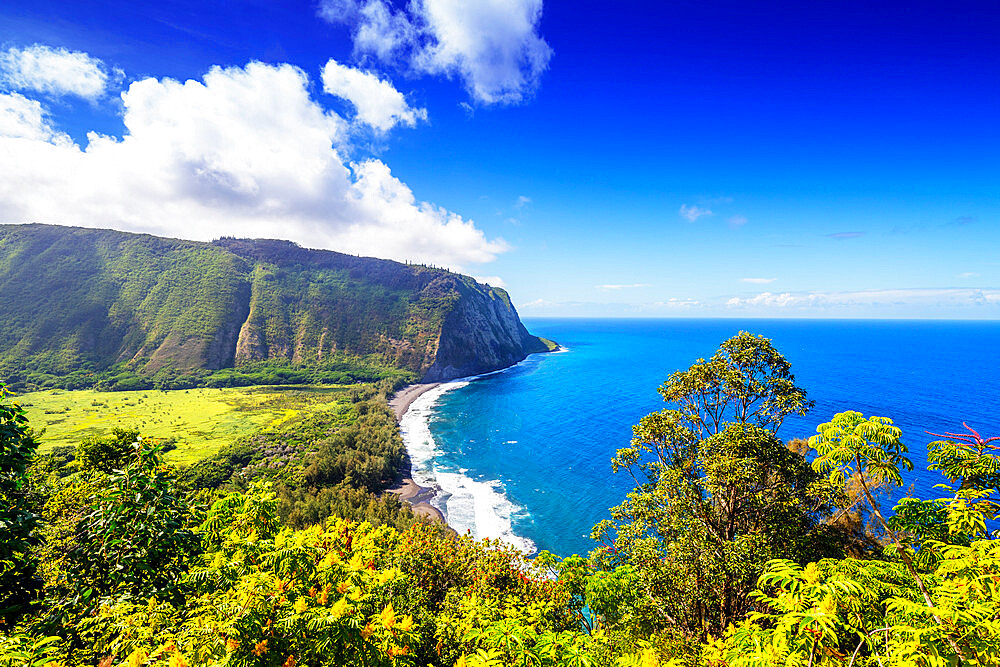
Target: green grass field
{"x": 201, "y": 421}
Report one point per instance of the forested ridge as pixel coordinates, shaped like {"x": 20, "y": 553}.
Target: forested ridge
{"x": 100, "y": 308}
{"x": 735, "y": 548}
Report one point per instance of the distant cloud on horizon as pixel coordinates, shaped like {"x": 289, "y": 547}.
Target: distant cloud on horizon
{"x": 880, "y": 298}
{"x": 619, "y": 287}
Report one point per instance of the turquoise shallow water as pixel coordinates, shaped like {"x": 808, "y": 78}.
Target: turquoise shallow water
{"x": 524, "y": 453}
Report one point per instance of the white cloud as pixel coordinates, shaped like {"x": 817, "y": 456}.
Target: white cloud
{"x": 618, "y": 287}
{"x": 245, "y": 152}
{"x": 383, "y": 32}
{"x": 522, "y": 201}
{"x": 377, "y": 102}
{"x": 492, "y": 281}
{"x": 674, "y": 303}
{"x": 492, "y": 45}
{"x": 738, "y": 220}
{"x": 22, "y": 118}
{"x": 968, "y": 274}
{"x": 758, "y": 281}
{"x": 765, "y": 299}
{"x": 539, "y": 303}
{"x": 692, "y": 213}
{"x": 54, "y": 71}
{"x": 883, "y": 300}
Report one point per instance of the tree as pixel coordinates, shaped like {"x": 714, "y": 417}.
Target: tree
{"x": 134, "y": 537}
{"x": 107, "y": 453}
{"x": 18, "y": 584}
{"x": 932, "y": 599}
{"x": 718, "y": 494}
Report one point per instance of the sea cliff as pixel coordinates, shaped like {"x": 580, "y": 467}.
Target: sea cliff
{"x": 80, "y": 306}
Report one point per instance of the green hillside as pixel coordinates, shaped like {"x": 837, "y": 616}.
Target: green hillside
{"x": 91, "y": 307}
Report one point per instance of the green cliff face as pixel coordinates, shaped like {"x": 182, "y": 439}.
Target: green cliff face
{"x": 79, "y": 306}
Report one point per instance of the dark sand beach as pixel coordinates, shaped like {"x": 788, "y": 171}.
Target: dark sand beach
{"x": 408, "y": 490}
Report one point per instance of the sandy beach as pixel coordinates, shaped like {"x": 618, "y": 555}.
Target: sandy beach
{"x": 401, "y": 400}
{"x": 408, "y": 490}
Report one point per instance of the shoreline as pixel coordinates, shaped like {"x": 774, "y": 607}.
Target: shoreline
{"x": 409, "y": 491}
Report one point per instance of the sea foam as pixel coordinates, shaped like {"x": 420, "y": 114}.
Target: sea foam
{"x": 479, "y": 507}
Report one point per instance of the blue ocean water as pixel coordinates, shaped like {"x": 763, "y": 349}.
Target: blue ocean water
{"x": 524, "y": 454}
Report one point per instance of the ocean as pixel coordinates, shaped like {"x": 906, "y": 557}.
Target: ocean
{"x": 524, "y": 454}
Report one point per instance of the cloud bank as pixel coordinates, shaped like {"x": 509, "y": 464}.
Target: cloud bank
{"x": 493, "y": 46}
{"x": 886, "y": 300}
{"x": 246, "y": 151}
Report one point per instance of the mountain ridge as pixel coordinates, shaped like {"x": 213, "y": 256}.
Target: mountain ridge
{"x": 82, "y": 306}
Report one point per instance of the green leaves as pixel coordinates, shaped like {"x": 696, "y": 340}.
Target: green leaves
{"x": 135, "y": 538}
{"x": 746, "y": 381}
{"x": 850, "y": 444}
{"x": 17, "y": 522}
{"x": 717, "y": 496}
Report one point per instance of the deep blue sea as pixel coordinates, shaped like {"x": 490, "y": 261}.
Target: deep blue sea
{"x": 524, "y": 454}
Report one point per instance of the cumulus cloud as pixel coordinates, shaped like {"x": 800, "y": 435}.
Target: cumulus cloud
{"x": 53, "y": 71}
{"x": 243, "y": 152}
{"x": 378, "y": 103}
{"x": 758, "y": 281}
{"x": 692, "y": 213}
{"x": 493, "y": 46}
{"x": 21, "y": 118}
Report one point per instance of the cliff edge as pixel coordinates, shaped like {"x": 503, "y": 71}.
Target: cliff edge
{"x": 84, "y": 307}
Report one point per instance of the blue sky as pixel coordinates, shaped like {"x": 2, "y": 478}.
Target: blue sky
{"x": 596, "y": 159}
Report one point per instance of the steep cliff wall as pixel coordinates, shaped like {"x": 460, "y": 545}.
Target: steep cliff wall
{"x": 481, "y": 333}
{"x": 87, "y": 304}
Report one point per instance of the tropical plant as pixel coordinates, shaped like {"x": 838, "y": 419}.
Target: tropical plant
{"x": 718, "y": 494}
{"x": 18, "y": 524}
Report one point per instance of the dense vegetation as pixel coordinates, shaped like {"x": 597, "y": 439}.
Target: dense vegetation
{"x": 97, "y": 308}
{"x": 734, "y": 549}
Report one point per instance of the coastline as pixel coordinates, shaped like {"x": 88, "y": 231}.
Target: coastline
{"x": 409, "y": 491}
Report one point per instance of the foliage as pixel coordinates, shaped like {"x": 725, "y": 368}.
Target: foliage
{"x": 112, "y": 452}
{"x": 131, "y": 541}
{"x": 718, "y": 494}
{"x": 92, "y": 308}
{"x": 721, "y": 557}
{"x": 18, "y": 534}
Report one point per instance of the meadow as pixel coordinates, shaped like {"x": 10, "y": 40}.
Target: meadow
{"x": 199, "y": 422}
